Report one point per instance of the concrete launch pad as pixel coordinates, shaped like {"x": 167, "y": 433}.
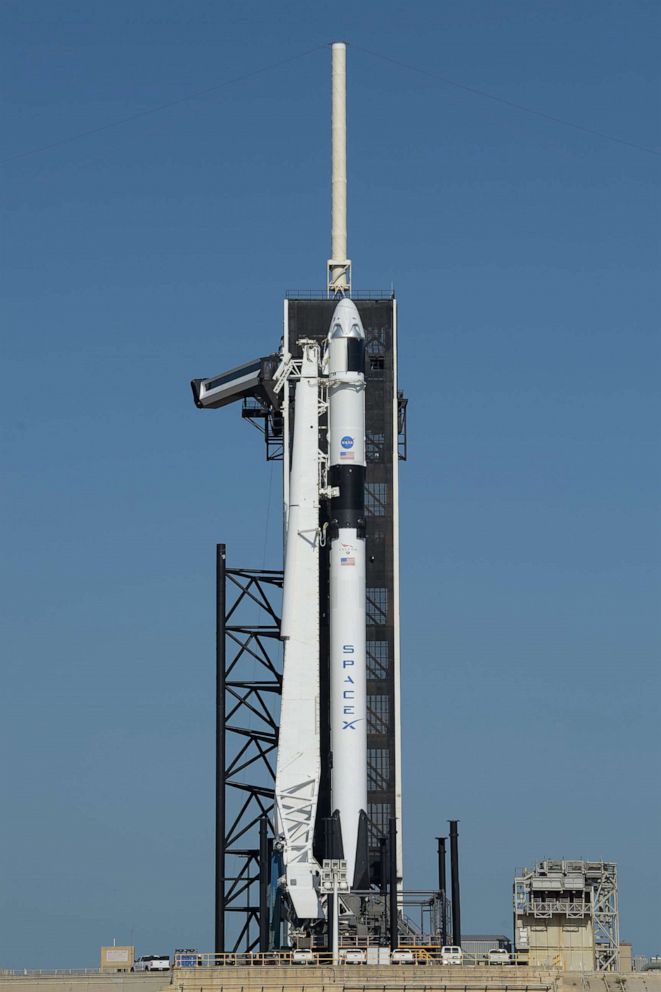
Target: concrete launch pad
{"x": 432, "y": 978}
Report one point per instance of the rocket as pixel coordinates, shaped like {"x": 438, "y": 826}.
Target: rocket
{"x": 299, "y": 760}
{"x": 346, "y": 534}
{"x": 299, "y": 757}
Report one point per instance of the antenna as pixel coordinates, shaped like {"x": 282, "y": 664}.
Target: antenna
{"x": 339, "y": 266}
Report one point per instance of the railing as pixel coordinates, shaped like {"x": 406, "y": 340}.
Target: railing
{"x": 322, "y": 294}
{"x": 31, "y": 972}
{"x": 563, "y": 906}
{"x": 80, "y": 972}
{"x": 407, "y": 956}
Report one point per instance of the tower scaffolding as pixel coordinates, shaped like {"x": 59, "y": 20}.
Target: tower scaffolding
{"x": 566, "y": 914}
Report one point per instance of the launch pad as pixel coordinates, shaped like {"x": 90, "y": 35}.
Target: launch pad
{"x": 309, "y": 866}
{"x": 308, "y": 810}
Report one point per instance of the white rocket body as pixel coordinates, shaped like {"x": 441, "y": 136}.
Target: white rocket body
{"x": 348, "y": 685}
{"x": 299, "y": 762}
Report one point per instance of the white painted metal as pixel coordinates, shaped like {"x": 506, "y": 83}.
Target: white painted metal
{"x": 333, "y": 880}
{"x": 298, "y": 762}
{"x": 348, "y": 711}
{"x": 346, "y": 405}
{"x": 339, "y": 266}
{"x": 347, "y": 397}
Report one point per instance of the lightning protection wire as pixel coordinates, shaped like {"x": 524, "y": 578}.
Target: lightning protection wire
{"x": 162, "y": 106}
{"x": 473, "y": 90}
{"x": 485, "y": 95}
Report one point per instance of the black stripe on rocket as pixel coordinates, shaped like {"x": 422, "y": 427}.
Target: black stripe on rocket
{"x": 348, "y": 509}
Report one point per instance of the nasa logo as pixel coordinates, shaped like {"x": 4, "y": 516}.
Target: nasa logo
{"x": 347, "y": 442}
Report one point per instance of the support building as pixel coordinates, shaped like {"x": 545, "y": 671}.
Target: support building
{"x": 566, "y": 915}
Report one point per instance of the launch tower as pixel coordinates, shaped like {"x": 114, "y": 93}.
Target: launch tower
{"x": 293, "y": 790}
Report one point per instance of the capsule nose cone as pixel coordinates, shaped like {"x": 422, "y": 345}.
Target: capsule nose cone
{"x": 346, "y": 322}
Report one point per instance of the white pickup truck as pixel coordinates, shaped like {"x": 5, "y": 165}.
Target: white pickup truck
{"x": 352, "y": 955}
{"x": 303, "y": 955}
{"x": 152, "y": 962}
{"x": 498, "y": 955}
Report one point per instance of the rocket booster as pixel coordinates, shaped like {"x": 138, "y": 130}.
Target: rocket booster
{"x": 348, "y": 685}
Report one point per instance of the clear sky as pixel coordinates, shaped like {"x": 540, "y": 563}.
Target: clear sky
{"x": 524, "y": 254}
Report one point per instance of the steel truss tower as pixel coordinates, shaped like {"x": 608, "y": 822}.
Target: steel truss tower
{"x": 605, "y": 915}
{"x": 248, "y": 686}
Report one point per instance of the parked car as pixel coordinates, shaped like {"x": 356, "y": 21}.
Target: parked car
{"x": 403, "y": 955}
{"x": 152, "y": 962}
{"x": 452, "y": 955}
{"x": 303, "y": 956}
{"x": 352, "y": 955}
{"x": 498, "y": 955}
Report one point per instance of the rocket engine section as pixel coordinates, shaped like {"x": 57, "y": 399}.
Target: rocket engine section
{"x": 348, "y": 678}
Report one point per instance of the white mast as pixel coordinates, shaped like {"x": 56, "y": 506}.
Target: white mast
{"x": 339, "y": 266}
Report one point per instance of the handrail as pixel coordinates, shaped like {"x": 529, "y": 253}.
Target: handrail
{"x": 350, "y": 955}
{"x": 322, "y": 294}
{"x": 30, "y": 972}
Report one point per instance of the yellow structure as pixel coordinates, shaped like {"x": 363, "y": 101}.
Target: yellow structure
{"x": 115, "y": 960}
{"x": 566, "y": 916}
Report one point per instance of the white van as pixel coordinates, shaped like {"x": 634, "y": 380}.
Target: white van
{"x": 452, "y": 955}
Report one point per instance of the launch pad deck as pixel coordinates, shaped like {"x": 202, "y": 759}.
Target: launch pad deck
{"x": 433, "y": 978}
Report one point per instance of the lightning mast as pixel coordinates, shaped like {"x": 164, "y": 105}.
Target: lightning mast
{"x": 339, "y": 266}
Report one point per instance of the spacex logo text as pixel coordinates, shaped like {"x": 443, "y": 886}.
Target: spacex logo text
{"x": 349, "y": 691}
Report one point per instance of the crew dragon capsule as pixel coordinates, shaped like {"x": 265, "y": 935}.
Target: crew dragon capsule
{"x": 346, "y": 533}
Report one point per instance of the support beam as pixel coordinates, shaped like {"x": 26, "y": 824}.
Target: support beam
{"x": 264, "y": 879}
{"x": 392, "y": 883}
{"x": 219, "y": 924}
{"x": 442, "y": 888}
{"x": 383, "y": 881}
{"x": 454, "y": 872}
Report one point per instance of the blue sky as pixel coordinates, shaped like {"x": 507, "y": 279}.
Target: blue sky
{"x": 524, "y": 256}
